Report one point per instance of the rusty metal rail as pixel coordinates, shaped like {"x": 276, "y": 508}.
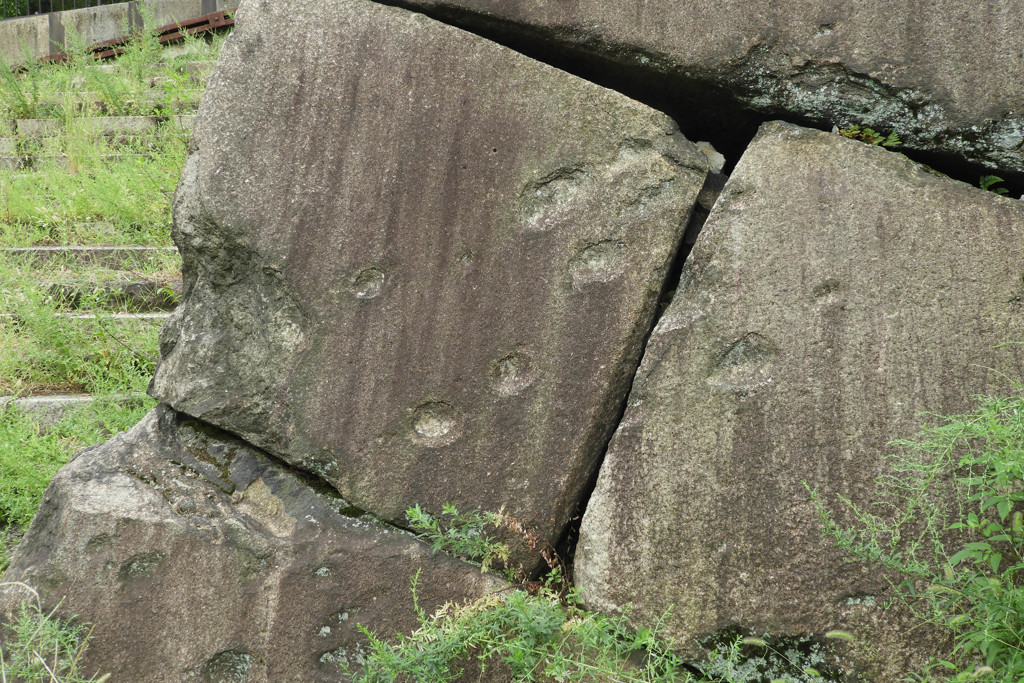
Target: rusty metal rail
{"x": 166, "y": 34}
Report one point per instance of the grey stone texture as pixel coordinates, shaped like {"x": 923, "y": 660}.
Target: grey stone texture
{"x": 836, "y": 291}
{"x": 947, "y": 76}
{"x": 198, "y": 558}
{"x": 418, "y": 264}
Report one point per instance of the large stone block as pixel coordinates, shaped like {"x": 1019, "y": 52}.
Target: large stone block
{"x": 417, "y": 263}
{"x": 948, "y": 76}
{"x": 837, "y": 291}
{"x": 197, "y": 557}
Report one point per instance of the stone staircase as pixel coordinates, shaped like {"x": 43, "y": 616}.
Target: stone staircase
{"x": 112, "y": 287}
{"x": 119, "y": 286}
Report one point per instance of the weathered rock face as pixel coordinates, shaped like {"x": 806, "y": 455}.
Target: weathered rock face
{"x": 837, "y": 289}
{"x": 913, "y": 68}
{"x": 198, "y": 558}
{"x": 417, "y": 263}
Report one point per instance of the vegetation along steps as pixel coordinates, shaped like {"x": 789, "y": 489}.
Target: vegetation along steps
{"x": 47, "y": 411}
{"x": 90, "y": 155}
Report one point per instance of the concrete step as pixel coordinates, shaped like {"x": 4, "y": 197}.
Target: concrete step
{"x": 27, "y": 162}
{"x": 56, "y": 104}
{"x": 49, "y": 410}
{"x": 197, "y": 72}
{"x": 119, "y": 317}
{"x": 137, "y": 296}
{"x": 195, "y": 66}
{"x": 104, "y": 125}
{"x": 114, "y": 258}
{"x": 123, "y": 318}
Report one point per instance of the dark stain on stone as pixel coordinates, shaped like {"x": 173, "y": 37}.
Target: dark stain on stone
{"x": 228, "y": 666}
{"x": 139, "y": 565}
{"x": 368, "y": 283}
{"x": 351, "y": 511}
{"x": 1016, "y": 299}
{"x": 827, "y": 287}
{"x": 97, "y": 543}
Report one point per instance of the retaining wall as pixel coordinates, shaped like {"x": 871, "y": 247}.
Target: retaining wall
{"x": 44, "y": 34}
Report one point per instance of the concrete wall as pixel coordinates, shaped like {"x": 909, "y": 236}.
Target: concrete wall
{"x": 24, "y": 34}
{"x": 45, "y": 34}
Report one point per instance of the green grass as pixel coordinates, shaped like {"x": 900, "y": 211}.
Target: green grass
{"x": 120, "y": 202}
{"x": 43, "y": 350}
{"x": 83, "y": 188}
{"x": 41, "y": 647}
{"x": 29, "y": 457}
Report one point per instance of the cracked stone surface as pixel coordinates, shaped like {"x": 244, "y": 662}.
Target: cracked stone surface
{"x": 947, "y": 76}
{"x": 198, "y": 558}
{"x": 418, "y": 264}
{"x": 837, "y": 291}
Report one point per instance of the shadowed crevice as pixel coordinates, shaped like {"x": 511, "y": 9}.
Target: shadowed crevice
{"x": 703, "y": 107}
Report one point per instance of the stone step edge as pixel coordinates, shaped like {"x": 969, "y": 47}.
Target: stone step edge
{"x": 47, "y": 400}
{"x": 87, "y": 255}
{"x": 25, "y": 163}
{"x": 138, "y": 295}
{"x": 190, "y": 66}
{"x": 118, "y": 317}
{"x": 105, "y": 125}
{"x": 95, "y": 99}
{"x": 49, "y": 409}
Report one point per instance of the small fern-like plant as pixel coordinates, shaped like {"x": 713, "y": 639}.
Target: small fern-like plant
{"x": 989, "y": 182}
{"x": 465, "y": 535}
{"x": 534, "y": 637}
{"x": 864, "y": 134}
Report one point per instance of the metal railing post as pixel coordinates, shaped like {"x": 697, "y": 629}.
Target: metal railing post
{"x": 9, "y": 9}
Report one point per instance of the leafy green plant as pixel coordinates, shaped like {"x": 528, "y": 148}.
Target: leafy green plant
{"x": 19, "y": 93}
{"x": 463, "y": 535}
{"x": 537, "y": 630}
{"x": 949, "y": 525}
{"x": 124, "y": 86}
{"x": 864, "y": 134}
{"x": 534, "y": 637}
{"x": 41, "y": 648}
{"x": 8, "y": 542}
{"x": 988, "y": 182}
